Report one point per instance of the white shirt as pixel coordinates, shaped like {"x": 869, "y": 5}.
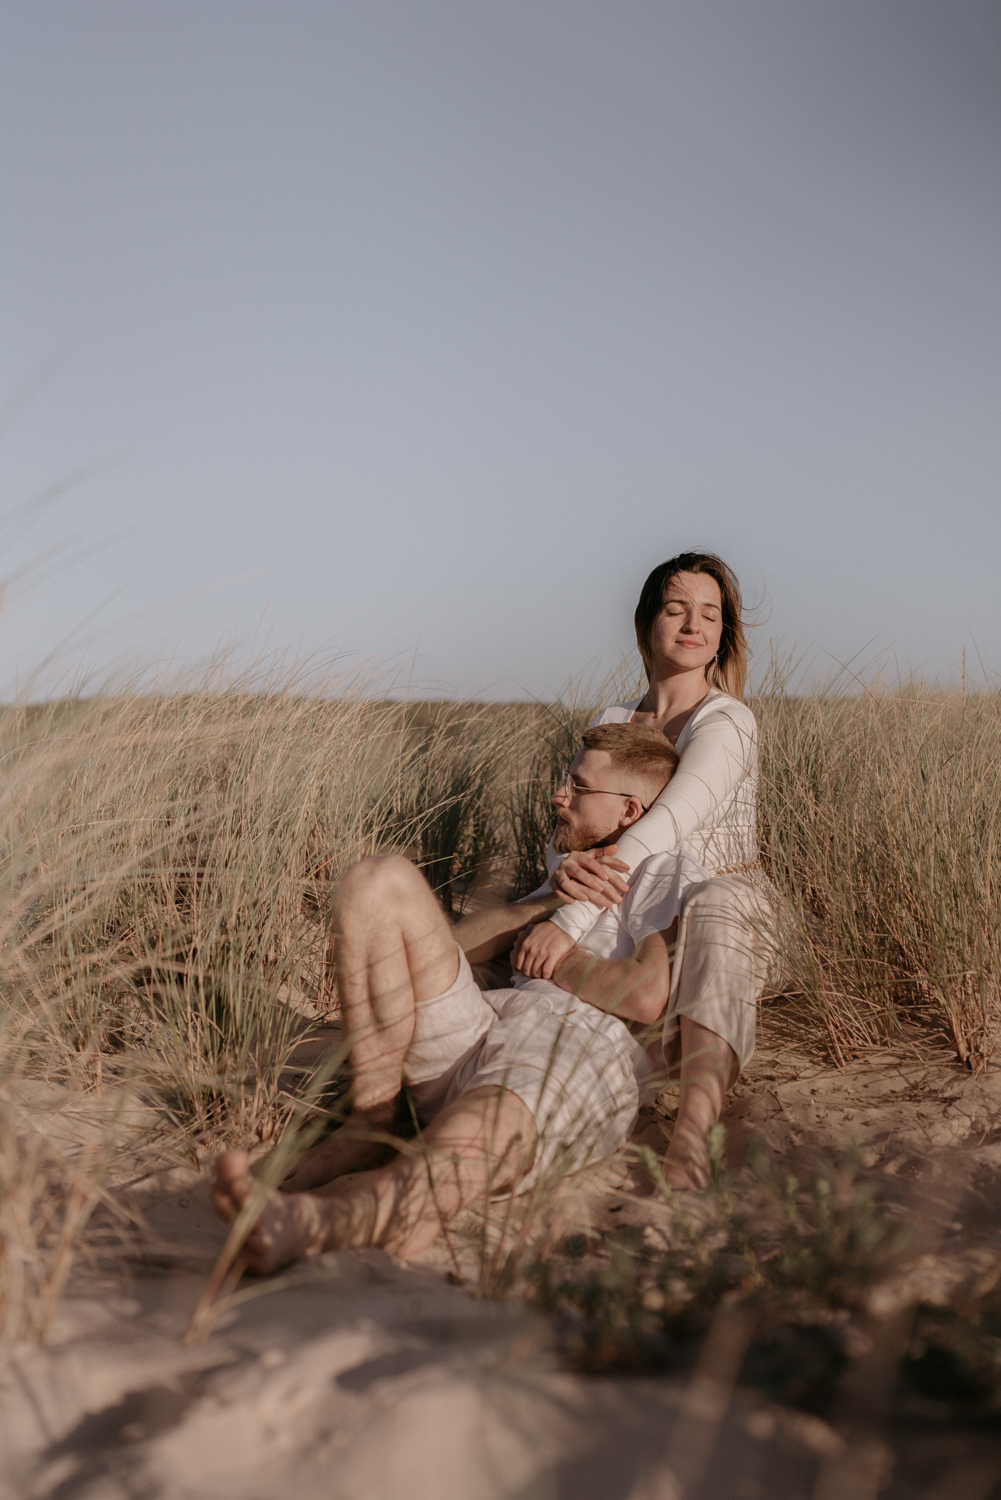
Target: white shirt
{"x": 708, "y": 810}
{"x": 651, "y": 905}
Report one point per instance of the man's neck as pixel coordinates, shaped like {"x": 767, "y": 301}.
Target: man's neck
{"x": 612, "y": 838}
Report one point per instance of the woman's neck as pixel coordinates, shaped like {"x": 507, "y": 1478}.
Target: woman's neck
{"x": 670, "y": 701}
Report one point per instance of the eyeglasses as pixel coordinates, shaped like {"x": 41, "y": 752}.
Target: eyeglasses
{"x": 574, "y": 789}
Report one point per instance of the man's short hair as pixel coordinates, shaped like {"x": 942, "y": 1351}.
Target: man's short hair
{"x": 638, "y": 750}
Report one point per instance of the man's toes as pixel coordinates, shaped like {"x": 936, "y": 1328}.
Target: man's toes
{"x": 233, "y": 1173}
{"x": 224, "y": 1203}
{"x": 259, "y": 1241}
{"x": 233, "y": 1185}
{"x": 233, "y": 1164}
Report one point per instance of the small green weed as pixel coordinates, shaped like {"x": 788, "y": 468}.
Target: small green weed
{"x": 801, "y": 1257}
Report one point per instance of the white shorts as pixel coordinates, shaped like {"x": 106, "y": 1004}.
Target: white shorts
{"x": 579, "y": 1071}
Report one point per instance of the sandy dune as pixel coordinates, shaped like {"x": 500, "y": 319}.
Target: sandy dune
{"x": 358, "y": 1377}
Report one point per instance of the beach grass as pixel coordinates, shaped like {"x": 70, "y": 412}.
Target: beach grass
{"x": 168, "y": 857}
{"x": 880, "y": 824}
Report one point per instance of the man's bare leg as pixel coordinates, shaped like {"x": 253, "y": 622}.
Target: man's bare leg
{"x": 394, "y": 948}
{"x": 708, "y": 1069}
{"x": 482, "y": 1142}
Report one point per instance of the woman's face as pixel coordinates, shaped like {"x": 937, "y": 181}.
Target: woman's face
{"x": 687, "y": 632}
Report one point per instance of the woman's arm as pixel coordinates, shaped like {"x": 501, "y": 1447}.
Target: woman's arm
{"x": 597, "y": 874}
{"x": 721, "y": 749}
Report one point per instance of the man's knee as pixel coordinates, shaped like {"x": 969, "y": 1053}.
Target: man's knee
{"x": 374, "y": 884}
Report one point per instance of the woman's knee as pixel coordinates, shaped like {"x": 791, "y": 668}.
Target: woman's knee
{"x": 726, "y": 904}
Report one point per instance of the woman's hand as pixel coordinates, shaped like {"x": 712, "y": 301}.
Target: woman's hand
{"x": 538, "y": 949}
{"x": 591, "y": 875}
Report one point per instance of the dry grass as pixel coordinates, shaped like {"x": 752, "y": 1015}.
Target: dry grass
{"x": 880, "y": 825}
{"x": 166, "y": 863}
{"x": 167, "y": 858}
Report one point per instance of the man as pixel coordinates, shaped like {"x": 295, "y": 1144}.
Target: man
{"x": 519, "y": 1085}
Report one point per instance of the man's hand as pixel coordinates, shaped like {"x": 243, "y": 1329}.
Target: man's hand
{"x": 538, "y": 950}
{"x": 592, "y": 875}
{"x": 486, "y": 934}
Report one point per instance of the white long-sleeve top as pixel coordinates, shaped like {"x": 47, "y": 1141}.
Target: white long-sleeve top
{"x": 709, "y": 807}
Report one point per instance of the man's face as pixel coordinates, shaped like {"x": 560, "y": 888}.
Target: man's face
{"x": 591, "y": 816}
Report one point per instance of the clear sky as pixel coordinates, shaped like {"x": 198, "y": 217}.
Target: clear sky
{"x": 422, "y": 331}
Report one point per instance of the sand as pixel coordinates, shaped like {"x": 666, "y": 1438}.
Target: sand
{"x": 359, "y": 1377}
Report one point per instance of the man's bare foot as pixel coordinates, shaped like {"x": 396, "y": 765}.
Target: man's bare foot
{"x": 349, "y": 1149}
{"x": 288, "y": 1228}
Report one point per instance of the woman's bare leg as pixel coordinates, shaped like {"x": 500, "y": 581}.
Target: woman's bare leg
{"x": 708, "y": 1069}
{"x": 483, "y": 1141}
{"x": 394, "y": 948}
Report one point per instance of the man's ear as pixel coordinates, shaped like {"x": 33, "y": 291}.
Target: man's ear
{"x": 632, "y": 811}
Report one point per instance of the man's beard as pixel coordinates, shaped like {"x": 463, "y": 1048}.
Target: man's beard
{"x": 568, "y": 839}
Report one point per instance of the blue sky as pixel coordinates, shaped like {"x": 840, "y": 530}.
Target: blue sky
{"x": 419, "y": 333}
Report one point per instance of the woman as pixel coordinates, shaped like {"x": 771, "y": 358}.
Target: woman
{"x": 691, "y": 639}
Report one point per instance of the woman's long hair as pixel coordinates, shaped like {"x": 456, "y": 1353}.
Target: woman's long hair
{"x": 728, "y": 672}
